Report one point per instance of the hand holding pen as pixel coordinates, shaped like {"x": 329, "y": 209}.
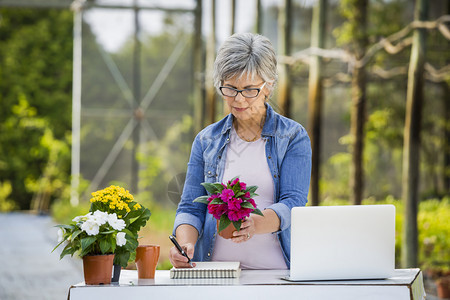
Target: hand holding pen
{"x": 180, "y": 250}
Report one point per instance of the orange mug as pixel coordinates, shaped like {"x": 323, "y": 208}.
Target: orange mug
{"x": 146, "y": 260}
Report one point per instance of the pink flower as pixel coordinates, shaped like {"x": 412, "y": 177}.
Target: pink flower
{"x": 235, "y": 181}
{"x": 226, "y": 195}
{"x": 247, "y": 195}
{"x": 236, "y": 215}
{"x": 243, "y": 186}
{"x": 234, "y": 203}
{"x": 217, "y": 210}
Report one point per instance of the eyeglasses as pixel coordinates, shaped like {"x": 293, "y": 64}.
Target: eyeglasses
{"x": 247, "y": 93}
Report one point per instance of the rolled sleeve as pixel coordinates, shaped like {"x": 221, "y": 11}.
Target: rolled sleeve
{"x": 284, "y": 214}
{"x": 189, "y": 219}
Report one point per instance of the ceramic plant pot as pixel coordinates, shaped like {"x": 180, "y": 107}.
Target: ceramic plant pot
{"x": 146, "y": 260}
{"x": 227, "y": 233}
{"x": 98, "y": 269}
{"x": 443, "y": 287}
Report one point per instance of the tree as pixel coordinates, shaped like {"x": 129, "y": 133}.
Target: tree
{"x": 315, "y": 95}
{"x": 284, "y": 48}
{"x": 35, "y": 102}
{"x": 354, "y": 32}
{"x": 411, "y": 148}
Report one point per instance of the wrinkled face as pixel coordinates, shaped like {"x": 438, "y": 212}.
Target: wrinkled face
{"x": 245, "y": 108}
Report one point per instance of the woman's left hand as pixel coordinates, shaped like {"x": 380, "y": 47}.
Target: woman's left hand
{"x": 247, "y": 231}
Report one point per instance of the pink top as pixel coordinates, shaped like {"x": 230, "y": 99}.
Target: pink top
{"x": 248, "y": 161}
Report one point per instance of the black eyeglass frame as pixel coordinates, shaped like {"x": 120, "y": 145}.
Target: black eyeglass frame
{"x": 240, "y": 91}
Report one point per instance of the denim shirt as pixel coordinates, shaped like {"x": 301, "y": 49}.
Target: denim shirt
{"x": 288, "y": 153}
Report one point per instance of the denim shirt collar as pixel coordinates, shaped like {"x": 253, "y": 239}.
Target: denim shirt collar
{"x": 269, "y": 124}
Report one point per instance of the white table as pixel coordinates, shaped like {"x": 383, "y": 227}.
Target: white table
{"x": 254, "y": 284}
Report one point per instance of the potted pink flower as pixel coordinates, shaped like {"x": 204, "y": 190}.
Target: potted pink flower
{"x": 230, "y": 204}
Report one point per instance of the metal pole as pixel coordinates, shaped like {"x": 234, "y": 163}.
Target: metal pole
{"x": 198, "y": 101}
{"x": 210, "y": 57}
{"x": 233, "y": 16}
{"x": 76, "y": 104}
{"x": 138, "y": 113}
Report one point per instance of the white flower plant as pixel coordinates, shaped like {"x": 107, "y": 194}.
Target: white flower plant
{"x": 96, "y": 233}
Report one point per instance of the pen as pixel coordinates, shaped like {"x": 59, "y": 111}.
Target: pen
{"x": 175, "y": 242}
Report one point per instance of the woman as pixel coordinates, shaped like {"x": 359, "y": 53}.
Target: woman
{"x": 253, "y": 142}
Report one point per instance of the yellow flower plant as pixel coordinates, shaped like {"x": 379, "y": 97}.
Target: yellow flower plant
{"x": 117, "y": 200}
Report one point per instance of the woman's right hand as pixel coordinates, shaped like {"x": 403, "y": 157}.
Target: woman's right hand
{"x": 178, "y": 260}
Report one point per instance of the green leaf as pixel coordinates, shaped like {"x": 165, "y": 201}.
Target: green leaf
{"x": 239, "y": 194}
{"x": 237, "y": 225}
{"x": 139, "y": 222}
{"x": 122, "y": 259}
{"x": 75, "y": 234}
{"x": 258, "y": 212}
{"x": 219, "y": 187}
{"x": 209, "y": 187}
{"x": 57, "y": 246}
{"x": 224, "y": 222}
{"x": 105, "y": 246}
{"x": 213, "y": 188}
{"x": 112, "y": 243}
{"x": 68, "y": 250}
{"x": 86, "y": 242}
{"x": 134, "y": 214}
{"x": 217, "y": 201}
{"x": 251, "y": 189}
{"x": 69, "y": 227}
{"x": 202, "y": 199}
{"x": 108, "y": 232}
{"x": 247, "y": 205}
{"x": 129, "y": 233}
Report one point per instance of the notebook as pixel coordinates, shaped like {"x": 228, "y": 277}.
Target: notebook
{"x": 342, "y": 242}
{"x": 215, "y": 269}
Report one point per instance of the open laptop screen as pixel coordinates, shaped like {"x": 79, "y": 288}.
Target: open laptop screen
{"x": 342, "y": 242}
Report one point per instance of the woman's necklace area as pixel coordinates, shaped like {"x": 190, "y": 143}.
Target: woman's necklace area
{"x": 250, "y": 140}
{"x": 245, "y": 136}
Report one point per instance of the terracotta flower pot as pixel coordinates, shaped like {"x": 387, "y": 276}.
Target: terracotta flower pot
{"x": 227, "y": 233}
{"x": 443, "y": 287}
{"x": 146, "y": 260}
{"x": 98, "y": 268}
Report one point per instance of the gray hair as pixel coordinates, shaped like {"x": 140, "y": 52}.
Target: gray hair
{"x": 245, "y": 54}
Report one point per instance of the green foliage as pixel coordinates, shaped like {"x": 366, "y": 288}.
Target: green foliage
{"x": 164, "y": 159}
{"x": 352, "y": 32}
{"x": 334, "y": 182}
{"x": 35, "y": 103}
{"x": 434, "y": 230}
{"x": 63, "y": 212}
{"x": 6, "y": 204}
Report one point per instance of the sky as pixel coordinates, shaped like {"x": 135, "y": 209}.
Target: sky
{"x": 113, "y": 26}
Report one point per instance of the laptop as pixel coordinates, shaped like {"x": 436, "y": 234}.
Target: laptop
{"x": 342, "y": 242}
